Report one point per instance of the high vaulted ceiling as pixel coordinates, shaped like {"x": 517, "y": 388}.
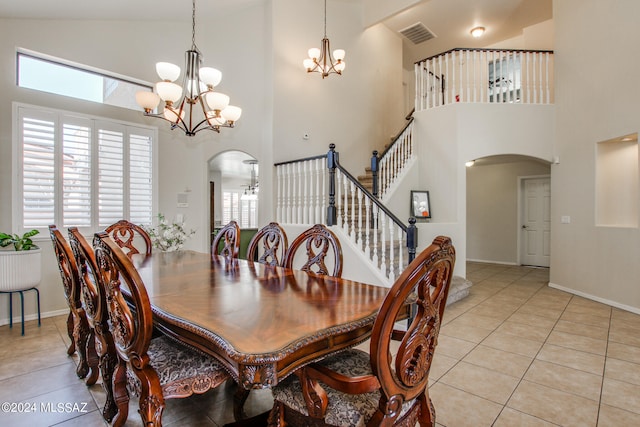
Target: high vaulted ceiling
{"x": 449, "y": 20}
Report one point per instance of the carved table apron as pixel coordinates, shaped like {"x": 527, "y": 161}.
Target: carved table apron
{"x": 261, "y": 322}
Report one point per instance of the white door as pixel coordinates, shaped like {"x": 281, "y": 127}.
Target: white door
{"x": 536, "y": 221}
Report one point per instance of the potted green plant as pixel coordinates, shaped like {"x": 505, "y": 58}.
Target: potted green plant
{"x": 19, "y": 268}
{"x": 20, "y": 243}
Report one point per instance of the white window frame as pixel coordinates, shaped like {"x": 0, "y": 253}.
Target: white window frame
{"x": 17, "y": 178}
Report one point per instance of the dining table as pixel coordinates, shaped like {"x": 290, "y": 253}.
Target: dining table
{"x": 261, "y": 322}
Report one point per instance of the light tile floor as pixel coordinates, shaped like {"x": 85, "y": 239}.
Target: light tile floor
{"x": 513, "y": 353}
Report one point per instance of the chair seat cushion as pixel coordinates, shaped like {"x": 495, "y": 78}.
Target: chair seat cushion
{"x": 344, "y": 409}
{"x": 183, "y": 371}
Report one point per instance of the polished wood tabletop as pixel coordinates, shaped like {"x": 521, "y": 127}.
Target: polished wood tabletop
{"x": 262, "y": 322}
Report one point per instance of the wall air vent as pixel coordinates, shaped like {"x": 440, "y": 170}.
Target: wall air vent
{"x": 417, "y": 33}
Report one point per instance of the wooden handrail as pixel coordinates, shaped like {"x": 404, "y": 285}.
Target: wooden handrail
{"x": 480, "y": 49}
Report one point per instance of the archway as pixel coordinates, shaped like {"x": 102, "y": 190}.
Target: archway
{"x": 495, "y": 207}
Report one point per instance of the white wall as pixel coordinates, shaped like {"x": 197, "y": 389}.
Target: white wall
{"x": 599, "y": 262}
{"x": 358, "y": 111}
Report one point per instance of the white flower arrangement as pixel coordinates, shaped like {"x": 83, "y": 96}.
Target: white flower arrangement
{"x": 168, "y": 237}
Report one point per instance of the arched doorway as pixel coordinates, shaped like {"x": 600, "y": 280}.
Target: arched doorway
{"x": 500, "y": 201}
{"x": 233, "y": 190}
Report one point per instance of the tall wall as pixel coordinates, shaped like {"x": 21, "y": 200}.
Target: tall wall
{"x": 599, "y": 262}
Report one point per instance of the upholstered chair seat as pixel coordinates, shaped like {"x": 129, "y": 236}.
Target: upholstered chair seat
{"x": 181, "y": 370}
{"x": 344, "y": 409}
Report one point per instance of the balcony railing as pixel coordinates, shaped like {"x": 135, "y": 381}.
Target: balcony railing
{"x": 485, "y": 76}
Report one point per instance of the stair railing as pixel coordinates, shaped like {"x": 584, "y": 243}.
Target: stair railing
{"x": 370, "y": 225}
{"x": 484, "y": 75}
{"x": 301, "y": 191}
{"x": 318, "y": 189}
{"x": 388, "y": 166}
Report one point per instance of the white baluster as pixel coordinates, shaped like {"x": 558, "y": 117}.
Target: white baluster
{"x": 359, "y": 234}
{"x": 461, "y": 91}
{"x": 534, "y": 77}
{"x": 474, "y": 53}
{"x": 416, "y": 72}
{"x": 352, "y": 233}
{"x": 338, "y": 197}
{"x": 383, "y": 246}
{"x": 345, "y": 205}
{"x": 452, "y": 83}
{"x": 468, "y": 98}
{"x": 439, "y": 92}
{"x": 401, "y": 247}
{"x": 288, "y": 193}
{"x": 547, "y": 78}
{"x": 367, "y": 219}
{"x": 375, "y": 212}
{"x": 540, "y": 78}
{"x": 392, "y": 257}
{"x": 508, "y": 82}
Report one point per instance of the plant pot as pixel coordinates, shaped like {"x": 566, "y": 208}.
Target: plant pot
{"x": 19, "y": 270}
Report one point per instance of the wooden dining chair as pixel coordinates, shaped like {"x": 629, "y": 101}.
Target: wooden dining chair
{"x": 318, "y": 241}
{"x": 77, "y": 324}
{"x": 127, "y": 234}
{"x": 384, "y": 387}
{"x": 268, "y": 245}
{"x": 162, "y": 368}
{"x": 96, "y": 311}
{"x": 227, "y": 241}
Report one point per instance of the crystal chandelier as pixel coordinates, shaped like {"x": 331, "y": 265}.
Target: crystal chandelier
{"x": 197, "y": 89}
{"x": 320, "y": 60}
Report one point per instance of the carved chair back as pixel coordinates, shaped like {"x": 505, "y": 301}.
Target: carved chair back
{"x": 271, "y": 242}
{"x": 163, "y": 368}
{"x": 77, "y": 323}
{"x": 318, "y": 242}
{"x": 96, "y": 310}
{"x": 405, "y": 375}
{"x": 389, "y": 385}
{"x": 229, "y": 238}
{"x": 132, "y": 329}
{"x": 124, "y": 233}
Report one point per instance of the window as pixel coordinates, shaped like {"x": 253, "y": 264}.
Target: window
{"x": 505, "y": 79}
{"x": 54, "y": 75}
{"x": 244, "y": 212}
{"x": 81, "y": 171}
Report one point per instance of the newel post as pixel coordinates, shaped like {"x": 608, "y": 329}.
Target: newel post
{"x": 332, "y": 159}
{"x": 374, "y": 173}
{"x": 412, "y": 238}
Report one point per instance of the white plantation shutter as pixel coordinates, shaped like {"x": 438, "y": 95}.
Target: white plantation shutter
{"x": 110, "y": 177}
{"x": 140, "y": 174}
{"x": 37, "y": 132}
{"x": 76, "y": 174}
{"x": 80, "y": 171}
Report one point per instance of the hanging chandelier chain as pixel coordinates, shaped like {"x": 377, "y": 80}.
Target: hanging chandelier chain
{"x": 325, "y": 19}
{"x": 193, "y": 26}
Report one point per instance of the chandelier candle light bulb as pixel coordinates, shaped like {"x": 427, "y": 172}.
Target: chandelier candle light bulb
{"x": 197, "y": 89}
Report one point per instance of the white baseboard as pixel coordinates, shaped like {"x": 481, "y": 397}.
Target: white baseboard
{"x": 635, "y": 310}
{"x": 34, "y": 316}
{"x": 484, "y": 261}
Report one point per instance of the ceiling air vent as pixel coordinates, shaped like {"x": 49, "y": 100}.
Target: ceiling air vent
{"x": 417, "y": 33}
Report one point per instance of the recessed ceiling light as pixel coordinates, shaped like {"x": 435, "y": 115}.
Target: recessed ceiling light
{"x": 470, "y": 163}
{"x": 477, "y": 32}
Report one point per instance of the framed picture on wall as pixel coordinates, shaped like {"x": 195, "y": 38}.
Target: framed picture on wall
{"x": 420, "y": 206}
